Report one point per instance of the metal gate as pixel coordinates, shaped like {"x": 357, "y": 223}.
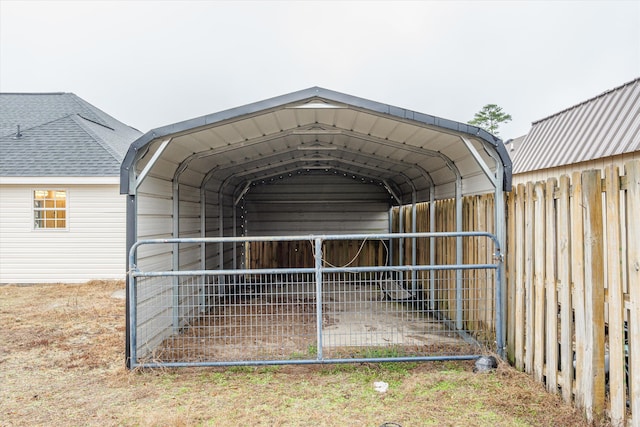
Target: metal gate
{"x": 326, "y": 313}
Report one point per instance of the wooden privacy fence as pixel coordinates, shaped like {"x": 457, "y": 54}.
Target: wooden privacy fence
{"x": 573, "y": 275}
{"x": 478, "y": 310}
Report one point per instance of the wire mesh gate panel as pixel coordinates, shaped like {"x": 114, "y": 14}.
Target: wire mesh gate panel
{"x": 320, "y": 314}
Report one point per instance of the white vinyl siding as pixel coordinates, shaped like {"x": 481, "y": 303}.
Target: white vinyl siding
{"x": 92, "y": 247}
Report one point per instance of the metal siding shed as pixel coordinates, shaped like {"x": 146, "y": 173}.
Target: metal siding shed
{"x": 603, "y": 126}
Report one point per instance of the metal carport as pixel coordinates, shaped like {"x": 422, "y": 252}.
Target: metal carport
{"x": 192, "y": 179}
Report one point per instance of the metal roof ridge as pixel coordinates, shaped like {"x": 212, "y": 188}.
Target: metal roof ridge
{"x": 601, "y": 95}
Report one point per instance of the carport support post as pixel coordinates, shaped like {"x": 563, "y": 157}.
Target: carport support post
{"x": 220, "y": 229}
{"x": 222, "y": 289}
{"x": 390, "y": 254}
{"x": 234, "y": 247}
{"x": 132, "y": 307}
{"x": 203, "y": 250}
{"x": 459, "y": 253}
{"x": 130, "y": 310}
{"x": 432, "y": 249}
{"x": 237, "y": 201}
{"x": 401, "y": 240}
{"x": 176, "y": 256}
{"x": 318, "y": 263}
{"x": 400, "y": 227}
{"x": 414, "y": 220}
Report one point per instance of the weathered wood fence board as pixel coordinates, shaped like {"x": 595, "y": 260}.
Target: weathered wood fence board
{"x": 518, "y": 327}
{"x": 529, "y": 238}
{"x": 564, "y": 272}
{"x": 632, "y": 170}
{"x": 551, "y": 287}
{"x": 539, "y": 221}
{"x": 577, "y": 272}
{"x": 594, "y": 295}
{"x": 511, "y": 278}
{"x": 616, "y": 298}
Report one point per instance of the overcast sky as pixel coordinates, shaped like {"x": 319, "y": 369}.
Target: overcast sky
{"x": 152, "y": 63}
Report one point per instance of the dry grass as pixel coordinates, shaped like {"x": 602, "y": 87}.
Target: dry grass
{"x": 62, "y": 363}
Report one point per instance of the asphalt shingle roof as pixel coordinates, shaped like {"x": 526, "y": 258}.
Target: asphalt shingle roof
{"x": 61, "y": 135}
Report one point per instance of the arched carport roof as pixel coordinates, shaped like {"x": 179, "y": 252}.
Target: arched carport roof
{"x": 416, "y": 156}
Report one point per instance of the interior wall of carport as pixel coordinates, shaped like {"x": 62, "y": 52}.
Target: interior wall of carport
{"x": 315, "y": 201}
{"x": 172, "y": 201}
{"x": 167, "y": 204}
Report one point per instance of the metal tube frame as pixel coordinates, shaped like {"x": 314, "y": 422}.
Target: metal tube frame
{"x": 319, "y": 270}
{"x": 432, "y": 249}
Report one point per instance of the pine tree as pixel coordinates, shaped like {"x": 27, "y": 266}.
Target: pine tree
{"x": 489, "y": 118}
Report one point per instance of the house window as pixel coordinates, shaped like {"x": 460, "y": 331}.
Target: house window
{"x": 49, "y": 209}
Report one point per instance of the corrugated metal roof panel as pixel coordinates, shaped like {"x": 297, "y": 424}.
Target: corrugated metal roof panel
{"x": 603, "y": 126}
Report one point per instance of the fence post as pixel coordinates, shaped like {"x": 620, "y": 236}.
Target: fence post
{"x": 632, "y": 169}
{"x": 594, "y": 295}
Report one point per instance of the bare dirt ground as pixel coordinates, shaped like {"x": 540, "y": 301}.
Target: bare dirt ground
{"x": 62, "y": 363}
{"x": 281, "y": 325}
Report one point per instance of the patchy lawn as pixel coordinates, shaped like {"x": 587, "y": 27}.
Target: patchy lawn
{"x": 62, "y": 363}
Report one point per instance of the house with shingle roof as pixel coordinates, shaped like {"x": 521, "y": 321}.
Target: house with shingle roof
{"x": 601, "y": 131}
{"x": 62, "y": 218}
